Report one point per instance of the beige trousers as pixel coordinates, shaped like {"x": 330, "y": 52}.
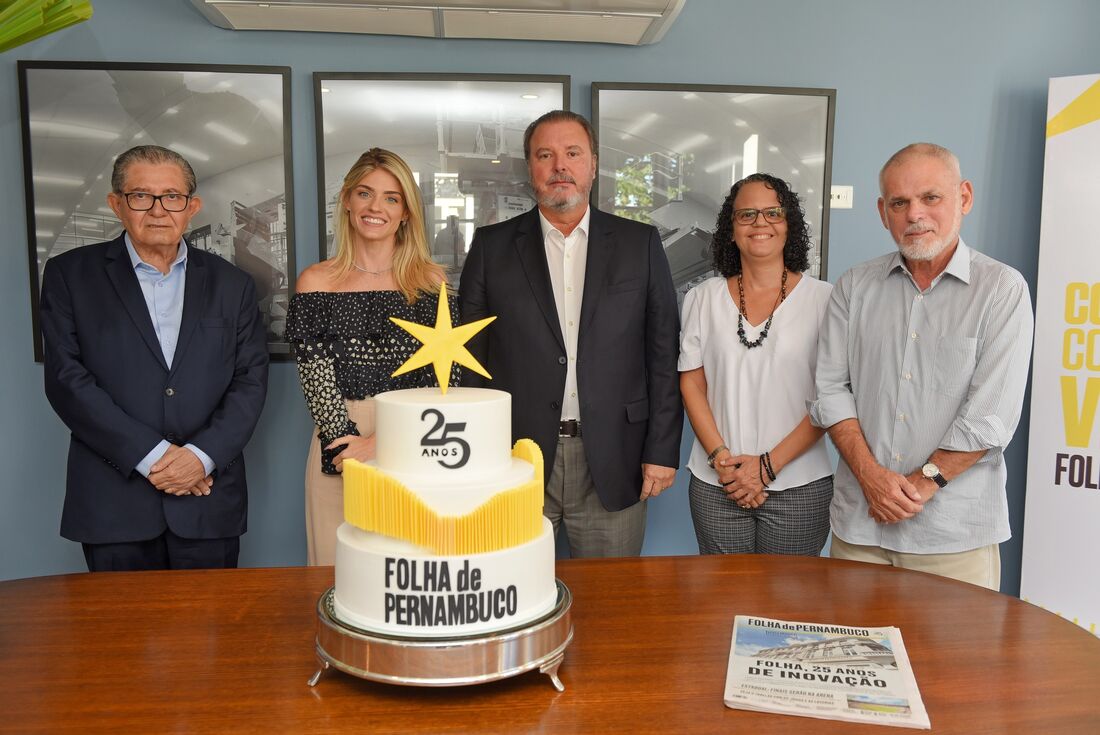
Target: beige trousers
{"x": 981, "y": 566}
{"x": 325, "y": 493}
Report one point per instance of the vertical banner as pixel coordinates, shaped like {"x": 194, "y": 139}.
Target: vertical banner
{"x": 1061, "y": 564}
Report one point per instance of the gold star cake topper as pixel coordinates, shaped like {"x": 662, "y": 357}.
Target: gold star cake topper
{"x": 442, "y": 344}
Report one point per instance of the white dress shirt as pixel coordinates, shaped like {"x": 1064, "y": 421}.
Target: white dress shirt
{"x": 566, "y": 258}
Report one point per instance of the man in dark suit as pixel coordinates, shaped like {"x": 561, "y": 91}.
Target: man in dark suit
{"x": 585, "y": 341}
{"x": 155, "y": 358}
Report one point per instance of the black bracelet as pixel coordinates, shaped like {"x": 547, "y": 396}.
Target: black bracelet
{"x": 761, "y": 470}
{"x": 767, "y": 457}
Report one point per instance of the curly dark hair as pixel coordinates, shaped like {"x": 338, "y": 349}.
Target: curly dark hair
{"x": 726, "y": 256}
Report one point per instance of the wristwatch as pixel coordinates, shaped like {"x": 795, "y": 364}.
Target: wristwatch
{"x": 932, "y": 472}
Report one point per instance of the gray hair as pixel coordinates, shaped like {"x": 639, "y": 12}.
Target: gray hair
{"x": 912, "y": 150}
{"x": 155, "y": 155}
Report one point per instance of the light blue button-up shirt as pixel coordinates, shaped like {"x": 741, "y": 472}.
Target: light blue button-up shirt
{"x": 943, "y": 368}
{"x": 163, "y": 293}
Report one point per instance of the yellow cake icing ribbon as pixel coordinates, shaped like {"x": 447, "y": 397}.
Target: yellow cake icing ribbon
{"x": 376, "y": 502}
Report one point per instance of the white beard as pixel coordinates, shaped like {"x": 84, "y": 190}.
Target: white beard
{"x": 931, "y": 246}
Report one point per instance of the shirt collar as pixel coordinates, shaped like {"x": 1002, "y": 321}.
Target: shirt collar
{"x": 958, "y": 266}
{"x": 547, "y": 228}
{"x": 135, "y": 259}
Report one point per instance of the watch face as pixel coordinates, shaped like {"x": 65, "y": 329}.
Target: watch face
{"x": 930, "y": 470}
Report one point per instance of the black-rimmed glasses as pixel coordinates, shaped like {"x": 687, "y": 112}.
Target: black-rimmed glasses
{"x": 748, "y": 216}
{"x": 142, "y": 201}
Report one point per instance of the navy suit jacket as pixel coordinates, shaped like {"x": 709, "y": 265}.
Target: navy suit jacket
{"x": 106, "y": 378}
{"x": 627, "y": 346}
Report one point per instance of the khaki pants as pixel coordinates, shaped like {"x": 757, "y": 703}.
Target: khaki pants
{"x": 981, "y": 566}
{"x": 325, "y": 493}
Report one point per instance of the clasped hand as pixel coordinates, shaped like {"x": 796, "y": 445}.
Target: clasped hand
{"x": 890, "y": 497}
{"x": 180, "y": 472}
{"x": 740, "y": 478}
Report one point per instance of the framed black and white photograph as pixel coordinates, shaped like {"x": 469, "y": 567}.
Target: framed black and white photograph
{"x": 461, "y": 135}
{"x": 669, "y": 154}
{"x": 232, "y": 123}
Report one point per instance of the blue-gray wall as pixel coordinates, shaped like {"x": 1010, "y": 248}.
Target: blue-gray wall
{"x": 969, "y": 74}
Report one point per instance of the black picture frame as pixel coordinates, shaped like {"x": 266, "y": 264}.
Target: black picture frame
{"x": 670, "y": 152}
{"x": 394, "y": 111}
{"x": 232, "y": 123}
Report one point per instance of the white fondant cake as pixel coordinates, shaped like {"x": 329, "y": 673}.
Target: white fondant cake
{"x": 444, "y": 534}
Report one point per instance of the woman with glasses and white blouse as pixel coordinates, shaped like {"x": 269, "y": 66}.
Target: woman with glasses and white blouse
{"x": 761, "y": 478}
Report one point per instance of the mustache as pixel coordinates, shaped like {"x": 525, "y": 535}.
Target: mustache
{"x": 918, "y": 228}
{"x": 561, "y": 179}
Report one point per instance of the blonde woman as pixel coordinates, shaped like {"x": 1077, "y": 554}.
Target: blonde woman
{"x": 339, "y": 323}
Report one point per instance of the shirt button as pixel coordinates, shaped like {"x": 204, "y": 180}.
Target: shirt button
{"x": 569, "y": 289}
{"x": 920, "y": 297}
{"x": 570, "y": 322}
{"x": 901, "y": 417}
{"x": 169, "y": 392}
{"x": 897, "y": 457}
{"x": 561, "y": 360}
{"x": 572, "y": 395}
{"x": 913, "y": 335}
{"x": 908, "y": 376}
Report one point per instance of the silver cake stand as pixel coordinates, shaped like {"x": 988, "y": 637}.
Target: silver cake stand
{"x": 441, "y": 662}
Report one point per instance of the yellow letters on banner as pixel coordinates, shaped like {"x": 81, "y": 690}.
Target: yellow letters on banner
{"x": 1082, "y": 303}
{"x": 1081, "y": 351}
{"x": 1079, "y": 416}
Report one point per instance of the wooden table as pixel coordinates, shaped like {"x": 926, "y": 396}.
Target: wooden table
{"x": 230, "y": 651}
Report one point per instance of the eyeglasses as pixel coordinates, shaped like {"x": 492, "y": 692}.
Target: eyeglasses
{"x": 141, "y": 201}
{"x": 748, "y": 216}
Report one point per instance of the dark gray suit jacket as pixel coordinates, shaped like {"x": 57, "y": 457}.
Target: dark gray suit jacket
{"x": 626, "y": 353}
{"x": 106, "y": 378}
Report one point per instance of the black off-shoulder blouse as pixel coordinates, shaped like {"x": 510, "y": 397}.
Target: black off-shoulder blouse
{"x": 347, "y": 347}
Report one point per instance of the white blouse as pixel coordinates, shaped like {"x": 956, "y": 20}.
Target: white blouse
{"x": 758, "y": 395}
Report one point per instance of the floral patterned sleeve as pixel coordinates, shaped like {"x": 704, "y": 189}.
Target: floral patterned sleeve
{"x": 316, "y": 353}
{"x": 456, "y": 370}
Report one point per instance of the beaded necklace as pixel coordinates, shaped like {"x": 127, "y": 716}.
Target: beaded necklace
{"x": 741, "y": 312}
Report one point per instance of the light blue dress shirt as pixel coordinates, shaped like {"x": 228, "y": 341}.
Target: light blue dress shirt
{"x": 943, "y": 368}
{"x": 163, "y": 295}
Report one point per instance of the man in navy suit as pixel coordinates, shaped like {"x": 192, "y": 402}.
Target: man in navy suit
{"x": 156, "y": 360}
{"x": 586, "y": 341}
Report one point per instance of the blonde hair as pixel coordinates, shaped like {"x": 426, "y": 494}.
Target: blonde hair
{"x": 414, "y": 271}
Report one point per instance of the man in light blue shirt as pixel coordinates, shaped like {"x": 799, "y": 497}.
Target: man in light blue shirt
{"x": 922, "y": 365}
{"x": 156, "y": 360}
{"x": 163, "y": 294}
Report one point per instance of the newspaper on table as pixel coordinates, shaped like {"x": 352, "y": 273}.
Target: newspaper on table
{"x": 832, "y": 672}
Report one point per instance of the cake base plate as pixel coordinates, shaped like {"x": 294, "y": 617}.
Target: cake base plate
{"x": 443, "y": 662}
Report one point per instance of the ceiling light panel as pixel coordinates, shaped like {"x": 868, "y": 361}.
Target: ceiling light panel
{"x": 632, "y": 22}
